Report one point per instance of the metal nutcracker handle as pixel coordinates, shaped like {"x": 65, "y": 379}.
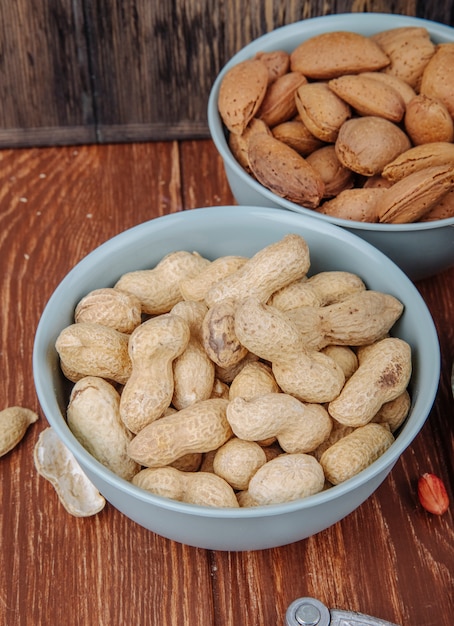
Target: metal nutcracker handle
{"x": 312, "y": 612}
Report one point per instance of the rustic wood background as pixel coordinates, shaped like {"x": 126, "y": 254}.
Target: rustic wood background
{"x": 90, "y": 71}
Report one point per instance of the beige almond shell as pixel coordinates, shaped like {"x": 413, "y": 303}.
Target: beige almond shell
{"x": 442, "y": 210}
{"x": 239, "y": 144}
{"x": 368, "y": 96}
{"x": 359, "y": 204}
{"x": 438, "y": 77}
{"x": 367, "y": 144}
{"x": 321, "y": 110}
{"x": 418, "y": 158}
{"x": 285, "y": 172}
{"x": 241, "y": 93}
{"x": 409, "y": 49}
{"x": 277, "y": 63}
{"x": 427, "y": 120}
{"x": 411, "y": 197}
{"x": 279, "y": 102}
{"x": 407, "y": 92}
{"x": 336, "y": 176}
{"x": 333, "y": 54}
{"x": 295, "y": 134}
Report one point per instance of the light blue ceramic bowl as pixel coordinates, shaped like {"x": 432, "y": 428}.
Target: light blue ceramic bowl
{"x": 420, "y": 249}
{"x": 214, "y": 232}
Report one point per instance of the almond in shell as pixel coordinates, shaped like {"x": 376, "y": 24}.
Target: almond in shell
{"x": 427, "y": 120}
{"x": 239, "y": 144}
{"x": 368, "y": 96}
{"x": 296, "y": 135}
{"x": 277, "y": 63}
{"x": 241, "y": 93}
{"x": 333, "y": 54}
{"x": 358, "y": 204}
{"x": 442, "y": 210}
{"x": 285, "y": 172}
{"x": 321, "y": 110}
{"x": 366, "y": 144}
{"x": 335, "y": 176}
{"x": 413, "y": 196}
{"x": 279, "y": 103}
{"x": 406, "y": 91}
{"x": 419, "y": 158}
{"x": 438, "y": 77}
{"x": 409, "y": 49}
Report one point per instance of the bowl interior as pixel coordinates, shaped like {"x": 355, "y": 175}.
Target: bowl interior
{"x": 216, "y": 231}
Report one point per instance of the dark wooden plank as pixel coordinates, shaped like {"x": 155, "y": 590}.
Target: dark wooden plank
{"x": 86, "y": 71}
{"x": 45, "y": 87}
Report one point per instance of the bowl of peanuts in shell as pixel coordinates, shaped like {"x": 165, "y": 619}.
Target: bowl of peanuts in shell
{"x": 348, "y": 118}
{"x": 232, "y": 378}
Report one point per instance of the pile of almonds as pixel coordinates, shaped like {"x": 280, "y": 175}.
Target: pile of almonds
{"x": 351, "y": 126}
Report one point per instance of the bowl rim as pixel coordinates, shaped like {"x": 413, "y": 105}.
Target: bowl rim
{"x": 56, "y": 420}
{"x": 355, "y": 22}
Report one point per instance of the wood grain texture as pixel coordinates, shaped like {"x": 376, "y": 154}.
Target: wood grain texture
{"x": 389, "y": 558}
{"x": 85, "y": 71}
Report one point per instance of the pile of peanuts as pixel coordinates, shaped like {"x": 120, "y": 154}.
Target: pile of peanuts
{"x": 356, "y": 127}
{"x": 239, "y": 381}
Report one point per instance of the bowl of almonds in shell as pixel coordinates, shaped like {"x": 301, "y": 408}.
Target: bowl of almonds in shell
{"x": 347, "y": 118}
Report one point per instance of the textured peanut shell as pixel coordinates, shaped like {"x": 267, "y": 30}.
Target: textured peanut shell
{"x": 158, "y": 288}
{"x": 285, "y": 172}
{"x": 354, "y": 452}
{"x": 295, "y": 134}
{"x": 438, "y": 77}
{"x": 241, "y": 93}
{"x": 418, "y": 158}
{"x": 321, "y": 110}
{"x": 335, "y": 285}
{"x": 359, "y": 204}
{"x": 298, "y": 427}
{"x": 367, "y": 144}
{"x": 369, "y": 97}
{"x": 269, "y": 269}
{"x": 56, "y": 463}
{"x": 218, "y": 335}
{"x": 329, "y": 55}
{"x": 193, "y": 370}
{"x": 89, "y": 349}
{"x": 201, "y": 427}
{"x": 286, "y": 478}
{"x": 279, "y": 104}
{"x": 237, "y": 461}
{"x": 199, "y": 488}
{"x": 93, "y": 415}
{"x": 196, "y": 287}
{"x": 427, "y": 120}
{"x": 14, "y": 422}
{"x": 383, "y": 374}
{"x": 153, "y": 347}
{"x": 254, "y": 379}
{"x": 110, "y": 307}
{"x": 409, "y": 49}
{"x": 394, "y": 413}
{"x": 413, "y": 196}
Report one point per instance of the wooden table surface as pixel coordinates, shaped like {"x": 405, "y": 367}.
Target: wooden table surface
{"x": 389, "y": 558}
